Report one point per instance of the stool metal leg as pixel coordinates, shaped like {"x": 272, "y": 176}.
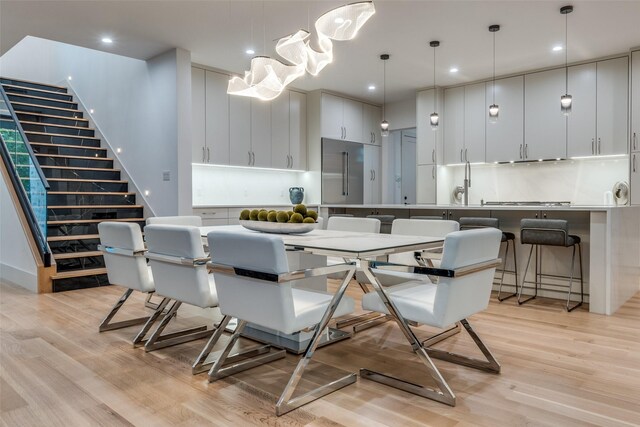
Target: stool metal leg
{"x": 524, "y": 277}
{"x": 504, "y": 268}
{"x": 573, "y": 258}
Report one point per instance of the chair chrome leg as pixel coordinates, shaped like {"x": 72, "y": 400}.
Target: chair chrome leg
{"x": 504, "y": 268}
{"x": 106, "y": 324}
{"x": 365, "y": 320}
{"x": 454, "y": 330}
{"x": 573, "y": 257}
{"x": 150, "y": 304}
{"x": 157, "y": 340}
{"x": 139, "y": 338}
{"x": 524, "y": 278}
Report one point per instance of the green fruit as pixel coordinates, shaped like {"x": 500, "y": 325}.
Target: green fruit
{"x": 253, "y": 216}
{"x": 301, "y": 209}
{"x": 262, "y": 216}
{"x": 245, "y": 214}
{"x": 290, "y": 213}
{"x": 309, "y": 220}
{"x": 271, "y": 216}
{"x": 282, "y": 216}
{"x": 296, "y": 218}
{"x": 264, "y": 210}
{"x": 312, "y": 214}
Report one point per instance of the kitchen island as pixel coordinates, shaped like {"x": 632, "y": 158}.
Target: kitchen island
{"x": 610, "y": 238}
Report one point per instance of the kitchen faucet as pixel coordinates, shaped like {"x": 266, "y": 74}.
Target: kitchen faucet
{"x": 467, "y": 182}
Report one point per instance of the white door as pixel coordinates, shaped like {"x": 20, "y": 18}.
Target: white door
{"x": 475, "y": 108}
{"x": 240, "y": 131}
{"x": 217, "y": 110}
{"x": 371, "y": 118}
{"x": 613, "y": 106}
{"x": 408, "y": 169}
{"x": 261, "y": 133}
{"x": 198, "y": 149}
{"x": 332, "y": 109}
{"x": 298, "y": 130}
{"x": 280, "y": 129}
{"x": 426, "y": 137}
{"x": 505, "y": 136}
{"x": 581, "y": 123}
{"x": 353, "y": 121}
{"x": 426, "y": 184}
{"x": 453, "y": 121}
{"x": 545, "y": 131}
{"x": 635, "y": 102}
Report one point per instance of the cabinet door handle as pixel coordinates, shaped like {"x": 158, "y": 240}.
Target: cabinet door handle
{"x": 593, "y": 149}
{"x": 635, "y": 141}
{"x": 433, "y": 155}
{"x": 521, "y": 151}
{"x": 249, "y": 161}
{"x": 292, "y": 161}
{"x": 374, "y": 174}
{"x": 253, "y": 163}
{"x": 634, "y": 163}
{"x": 208, "y": 154}
{"x": 599, "y": 146}
{"x": 203, "y": 154}
{"x": 374, "y": 137}
{"x": 466, "y": 157}
{"x": 526, "y": 151}
{"x": 433, "y": 172}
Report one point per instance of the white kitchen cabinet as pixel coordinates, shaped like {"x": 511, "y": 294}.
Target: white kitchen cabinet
{"x": 505, "y": 137}
{"x": 341, "y": 118}
{"x": 280, "y": 131}
{"x": 613, "y": 106}
{"x": 217, "y": 118}
{"x": 426, "y": 137}
{"x": 453, "y": 125}
{"x": 261, "y": 132}
{"x": 545, "y": 134}
{"x": 240, "y": 131}
{"x": 198, "y": 135}
{"x": 635, "y": 178}
{"x": 371, "y": 118}
{"x": 475, "y": 110}
{"x": 298, "y": 130}
{"x": 372, "y": 179}
{"x": 581, "y": 123}
{"x": 352, "y": 120}
{"x": 426, "y": 184}
{"x": 635, "y": 101}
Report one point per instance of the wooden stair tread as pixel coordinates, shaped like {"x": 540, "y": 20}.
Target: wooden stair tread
{"x": 80, "y": 147}
{"x": 36, "y": 89}
{"x": 79, "y": 273}
{"x": 96, "y": 207}
{"x": 91, "y": 221}
{"x": 102, "y": 193}
{"x": 79, "y": 168}
{"x": 44, "y": 106}
{"x": 114, "y": 181}
{"x": 33, "y": 83}
{"x": 30, "y": 132}
{"x": 72, "y": 237}
{"x": 24, "y": 95}
{"x": 52, "y": 116}
{"x": 71, "y": 255}
{"x": 54, "y": 124}
{"x": 62, "y": 156}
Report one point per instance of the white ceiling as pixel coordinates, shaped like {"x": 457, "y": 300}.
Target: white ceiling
{"x": 218, "y": 32}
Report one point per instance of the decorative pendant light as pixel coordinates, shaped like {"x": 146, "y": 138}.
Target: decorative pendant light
{"x": 384, "y": 126}
{"x": 494, "y": 110}
{"x": 434, "y": 119}
{"x": 566, "y": 100}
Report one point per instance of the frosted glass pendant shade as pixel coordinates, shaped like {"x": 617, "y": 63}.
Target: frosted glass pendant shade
{"x": 494, "y": 112}
{"x": 384, "y": 128}
{"x": 434, "y": 119}
{"x": 565, "y": 104}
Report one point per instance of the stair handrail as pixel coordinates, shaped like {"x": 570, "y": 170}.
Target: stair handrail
{"x": 39, "y": 235}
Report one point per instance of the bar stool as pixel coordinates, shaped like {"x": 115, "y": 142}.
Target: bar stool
{"x": 432, "y": 217}
{"x": 550, "y": 232}
{"x": 467, "y": 223}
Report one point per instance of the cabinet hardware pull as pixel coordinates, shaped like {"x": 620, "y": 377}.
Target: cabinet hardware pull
{"x": 433, "y": 172}
{"x": 593, "y": 150}
{"x": 254, "y": 158}
{"x": 374, "y": 137}
{"x": 460, "y": 155}
{"x": 466, "y": 157}
{"x": 433, "y": 155}
{"x": 208, "y": 154}
{"x": 526, "y": 151}
{"x": 635, "y": 141}
{"x": 292, "y": 161}
{"x": 521, "y": 151}
{"x": 249, "y": 154}
{"x": 203, "y": 154}
{"x": 634, "y": 163}
{"x": 374, "y": 174}
{"x": 599, "y": 146}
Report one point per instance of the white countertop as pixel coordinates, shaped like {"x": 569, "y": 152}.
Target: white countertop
{"x": 254, "y": 206}
{"x": 485, "y": 207}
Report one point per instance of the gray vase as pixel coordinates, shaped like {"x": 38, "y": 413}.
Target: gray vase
{"x": 296, "y": 194}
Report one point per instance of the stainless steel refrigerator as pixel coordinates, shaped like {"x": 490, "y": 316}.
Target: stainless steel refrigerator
{"x": 342, "y": 172}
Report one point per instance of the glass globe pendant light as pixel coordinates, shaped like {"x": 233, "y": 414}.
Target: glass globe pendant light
{"x": 384, "y": 126}
{"x": 434, "y": 119}
{"x": 494, "y": 109}
{"x": 566, "y": 100}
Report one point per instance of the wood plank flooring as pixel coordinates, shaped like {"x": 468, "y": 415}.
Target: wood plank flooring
{"x": 558, "y": 369}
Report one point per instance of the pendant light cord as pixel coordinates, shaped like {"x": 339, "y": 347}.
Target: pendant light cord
{"x": 494, "y": 68}
{"x": 566, "y": 53}
{"x": 384, "y": 89}
{"x": 434, "y": 80}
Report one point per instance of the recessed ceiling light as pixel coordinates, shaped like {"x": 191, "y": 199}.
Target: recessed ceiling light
{"x": 250, "y": 51}
{"x": 557, "y": 48}
{"x": 91, "y": 111}
{"x": 339, "y": 20}
{"x": 372, "y": 87}
{"x": 453, "y": 70}
{"x": 69, "y": 78}
{"x": 107, "y": 40}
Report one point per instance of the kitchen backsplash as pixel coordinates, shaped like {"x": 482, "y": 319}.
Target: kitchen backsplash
{"x": 580, "y": 181}
{"x": 224, "y": 185}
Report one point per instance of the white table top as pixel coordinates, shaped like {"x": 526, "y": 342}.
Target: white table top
{"x": 344, "y": 243}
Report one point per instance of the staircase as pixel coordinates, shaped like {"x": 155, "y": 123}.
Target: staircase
{"x": 85, "y": 189}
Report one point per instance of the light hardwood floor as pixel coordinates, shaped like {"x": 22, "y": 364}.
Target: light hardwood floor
{"x": 558, "y": 369}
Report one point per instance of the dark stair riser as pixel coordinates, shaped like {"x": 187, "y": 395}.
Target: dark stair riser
{"x": 45, "y": 128}
{"x": 80, "y": 263}
{"x": 81, "y": 173}
{"x": 52, "y": 120}
{"x": 65, "y": 213}
{"x": 43, "y": 102}
{"x": 80, "y": 245}
{"x": 96, "y": 162}
{"x": 36, "y": 92}
{"x": 61, "y": 285}
{"x": 68, "y": 151}
{"x": 75, "y": 229}
{"x": 52, "y": 139}
{"x": 88, "y": 186}
{"x": 44, "y": 110}
{"x": 89, "y": 199}
{"x": 10, "y": 81}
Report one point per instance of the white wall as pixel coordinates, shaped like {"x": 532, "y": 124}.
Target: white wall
{"x": 142, "y": 107}
{"x": 401, "y": 114}
{"x": 580, "y": 181}
{"x": 17, "y": 265}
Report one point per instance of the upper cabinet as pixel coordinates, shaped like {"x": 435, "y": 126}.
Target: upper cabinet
{"x": 464, "y": 124}
{"x": 371, "y": 118}
{"x": 427, "y": 138}
{"x": 453, "y": 125}
{"x": 198, "y": 127}
{"x": 289, "y": 131}
{"x": 581, "y": 123}
{"x": 261, "y": 131}
{"x": 332, "y": 117}
{"x": 210, "y": 117}
{"x": 349, "y": 120}
{"x": 505, "y": 141}
{"x": 240, "y": 131}
{"x": 635, "y": 103}
{"x": 352, "y": 120}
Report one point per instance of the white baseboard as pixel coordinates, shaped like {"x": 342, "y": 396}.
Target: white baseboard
{"x": 18, "y": 277}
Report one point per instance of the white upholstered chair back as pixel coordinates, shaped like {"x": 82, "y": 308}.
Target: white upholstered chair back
{"x": 266, "y": 303}
{"x": 419, "y": 227}
{"x": 192, "y": 220}
{"x": 458, "y": 298}
{"x": 184, "y": 283}
{"x": 361, "y": 225}
{"x": 125, "y": 270}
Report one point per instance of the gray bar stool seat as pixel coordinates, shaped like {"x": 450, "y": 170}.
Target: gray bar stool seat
{"x": 550, "y": 232}
{"x": 467, "y": 223}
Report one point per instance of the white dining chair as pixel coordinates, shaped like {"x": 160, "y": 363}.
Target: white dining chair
{"x": 255, "y": 285}
{"x": 123, "y": 250}
{"x": 358, "y": 225}
{"x": 465, "y": 280}
{"x": 191, "y": 220}
{"x": 178, "y": 263}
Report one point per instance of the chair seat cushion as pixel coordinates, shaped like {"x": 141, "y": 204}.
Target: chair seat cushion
{"x": 193, "y": 298}
{"x": 572, "y": 240}
{"x": 392, "y": 278}
{"x": 508, "y": 236}
{"x": 309, "y": 307}
{"x": 414, "y": 300}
